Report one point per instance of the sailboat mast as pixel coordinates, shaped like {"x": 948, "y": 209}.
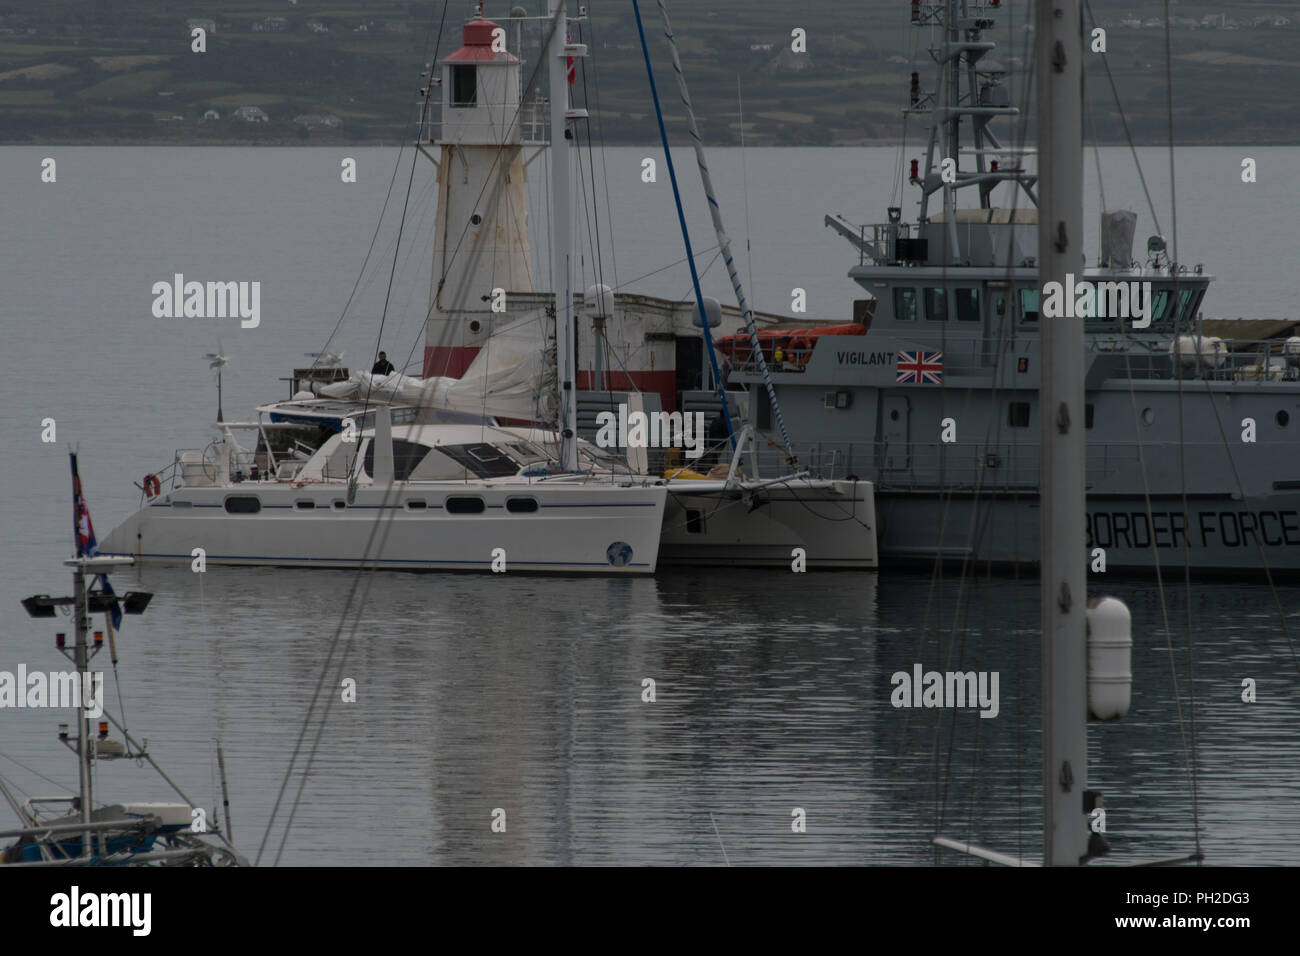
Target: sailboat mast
{"x": 561, "y": 243}
{"x": 1059, "y": 68}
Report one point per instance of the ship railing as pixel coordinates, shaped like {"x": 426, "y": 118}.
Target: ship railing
{"x": 1240, "y": 360}
{"x": 879, "y": 242}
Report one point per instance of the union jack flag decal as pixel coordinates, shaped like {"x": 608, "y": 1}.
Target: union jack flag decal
{"x": 919, "y": 368}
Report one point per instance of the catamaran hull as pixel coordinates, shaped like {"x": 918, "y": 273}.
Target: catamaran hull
{"x": 833, "y": 523}
{"x": 1218, "y": 534}
{"x": 574, "y": 528}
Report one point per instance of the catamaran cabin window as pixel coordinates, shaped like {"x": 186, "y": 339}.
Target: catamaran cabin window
{"x": 243, "y": 504}
{"x": 1029, "y": 305}
{"x": 464, "y": 86}
{"x": 968, "y": 305}
{"x": 339, "y": 463}
{"x": 406, "y": 456}
{"x": 936, "y": 308}
{"x": 905, "y": 305}
{"x": 464, "y": 506}
{"x": 483, "y": 460}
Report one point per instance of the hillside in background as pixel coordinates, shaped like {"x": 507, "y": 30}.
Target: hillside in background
{"x": 347, "y": 70}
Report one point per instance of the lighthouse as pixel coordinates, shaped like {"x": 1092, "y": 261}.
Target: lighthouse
{"x": 481, "y": 239}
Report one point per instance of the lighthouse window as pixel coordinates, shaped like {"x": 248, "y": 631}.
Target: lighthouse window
{"x": 1029, "y": 304}
{"x": 464, "y": 85}
{"x": 936, "y": 308}
{"x": 968, "y": 305}
{"x": 905, "y": 305}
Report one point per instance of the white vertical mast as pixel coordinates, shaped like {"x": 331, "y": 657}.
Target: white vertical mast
{"x": 561, "y": 244}
{"x": 1059, "y": 68}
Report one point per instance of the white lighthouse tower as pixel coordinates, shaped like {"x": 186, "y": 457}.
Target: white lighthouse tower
{"x": 481, "y": 234}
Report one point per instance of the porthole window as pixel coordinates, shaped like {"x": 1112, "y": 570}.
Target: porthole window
{"x": 339, "y": 504}
{"x": 243, "y": 505}
{"x": 465, "y": 506}
{"x": 521, "y": 506}
{"x": 1282, "y": 418}
{"x": 1148, "y": 416}
{"x": 304, "y": 504}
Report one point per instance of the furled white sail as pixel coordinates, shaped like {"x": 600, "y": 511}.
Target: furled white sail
{"x": 511, "y": 377}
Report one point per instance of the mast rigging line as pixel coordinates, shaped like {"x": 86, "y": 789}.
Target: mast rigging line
{"x": 686, "y": 235}
{"x": 715, "y": 213}
{"x": 334, "y": 641}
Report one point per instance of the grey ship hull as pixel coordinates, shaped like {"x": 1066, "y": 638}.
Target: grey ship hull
{"x": 1219, "y": 534}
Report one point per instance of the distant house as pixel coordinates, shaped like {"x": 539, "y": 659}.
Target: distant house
{"x": 212, "y": 115}
{"x": 787, "y": 61}
{"x": 395, "y": 26}
{"x": 251, "y": 114}
{"x": 315, "y": 26}
{"x": 271, "y": 25}
{"x": 318, "y": 121}
{"x": 202, "y": 23}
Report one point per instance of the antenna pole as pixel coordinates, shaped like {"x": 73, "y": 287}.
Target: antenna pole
{"x": 1063, "y": 585}
{"x": 84, "y": 737}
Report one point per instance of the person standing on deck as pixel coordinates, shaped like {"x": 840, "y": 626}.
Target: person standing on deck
{"x": 383, "y": 366}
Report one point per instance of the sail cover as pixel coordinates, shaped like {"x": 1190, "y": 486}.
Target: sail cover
{"x": 511, "y": 377}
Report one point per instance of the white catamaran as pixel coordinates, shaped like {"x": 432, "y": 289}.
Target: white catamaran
{"x": 457, "y": 486}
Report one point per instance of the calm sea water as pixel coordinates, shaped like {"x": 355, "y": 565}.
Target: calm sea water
{"x": 525, "y": 694}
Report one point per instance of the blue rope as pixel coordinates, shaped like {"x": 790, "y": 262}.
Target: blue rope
{"x": 686, "y": 236}
{"x": 724, "y": 241}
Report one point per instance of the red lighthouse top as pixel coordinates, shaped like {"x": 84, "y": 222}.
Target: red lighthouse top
{"x": 477, "y": 48}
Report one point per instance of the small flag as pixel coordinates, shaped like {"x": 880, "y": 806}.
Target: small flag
{"x": 87, "y": 545}
{"x": 919, "y": 368}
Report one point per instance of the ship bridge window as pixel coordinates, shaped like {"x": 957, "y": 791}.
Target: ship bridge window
{"x": 968, "y": 305}
{"x": 464, "y": 85}
{"x": 243, "y": 505}
{"x": 482, "y": 460}
{"x": 936, "y": 306}
{"x": 1162, "y": 305}
{"x": 905, "y": 305}
{"x": 1186, "y": 300}
{"x": 1029, "y": 305}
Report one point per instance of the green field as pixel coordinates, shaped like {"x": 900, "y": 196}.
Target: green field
{"x": 1229, "y": 85}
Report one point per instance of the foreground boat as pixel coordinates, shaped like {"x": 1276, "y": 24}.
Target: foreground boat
{"x": 71, "y": 830}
